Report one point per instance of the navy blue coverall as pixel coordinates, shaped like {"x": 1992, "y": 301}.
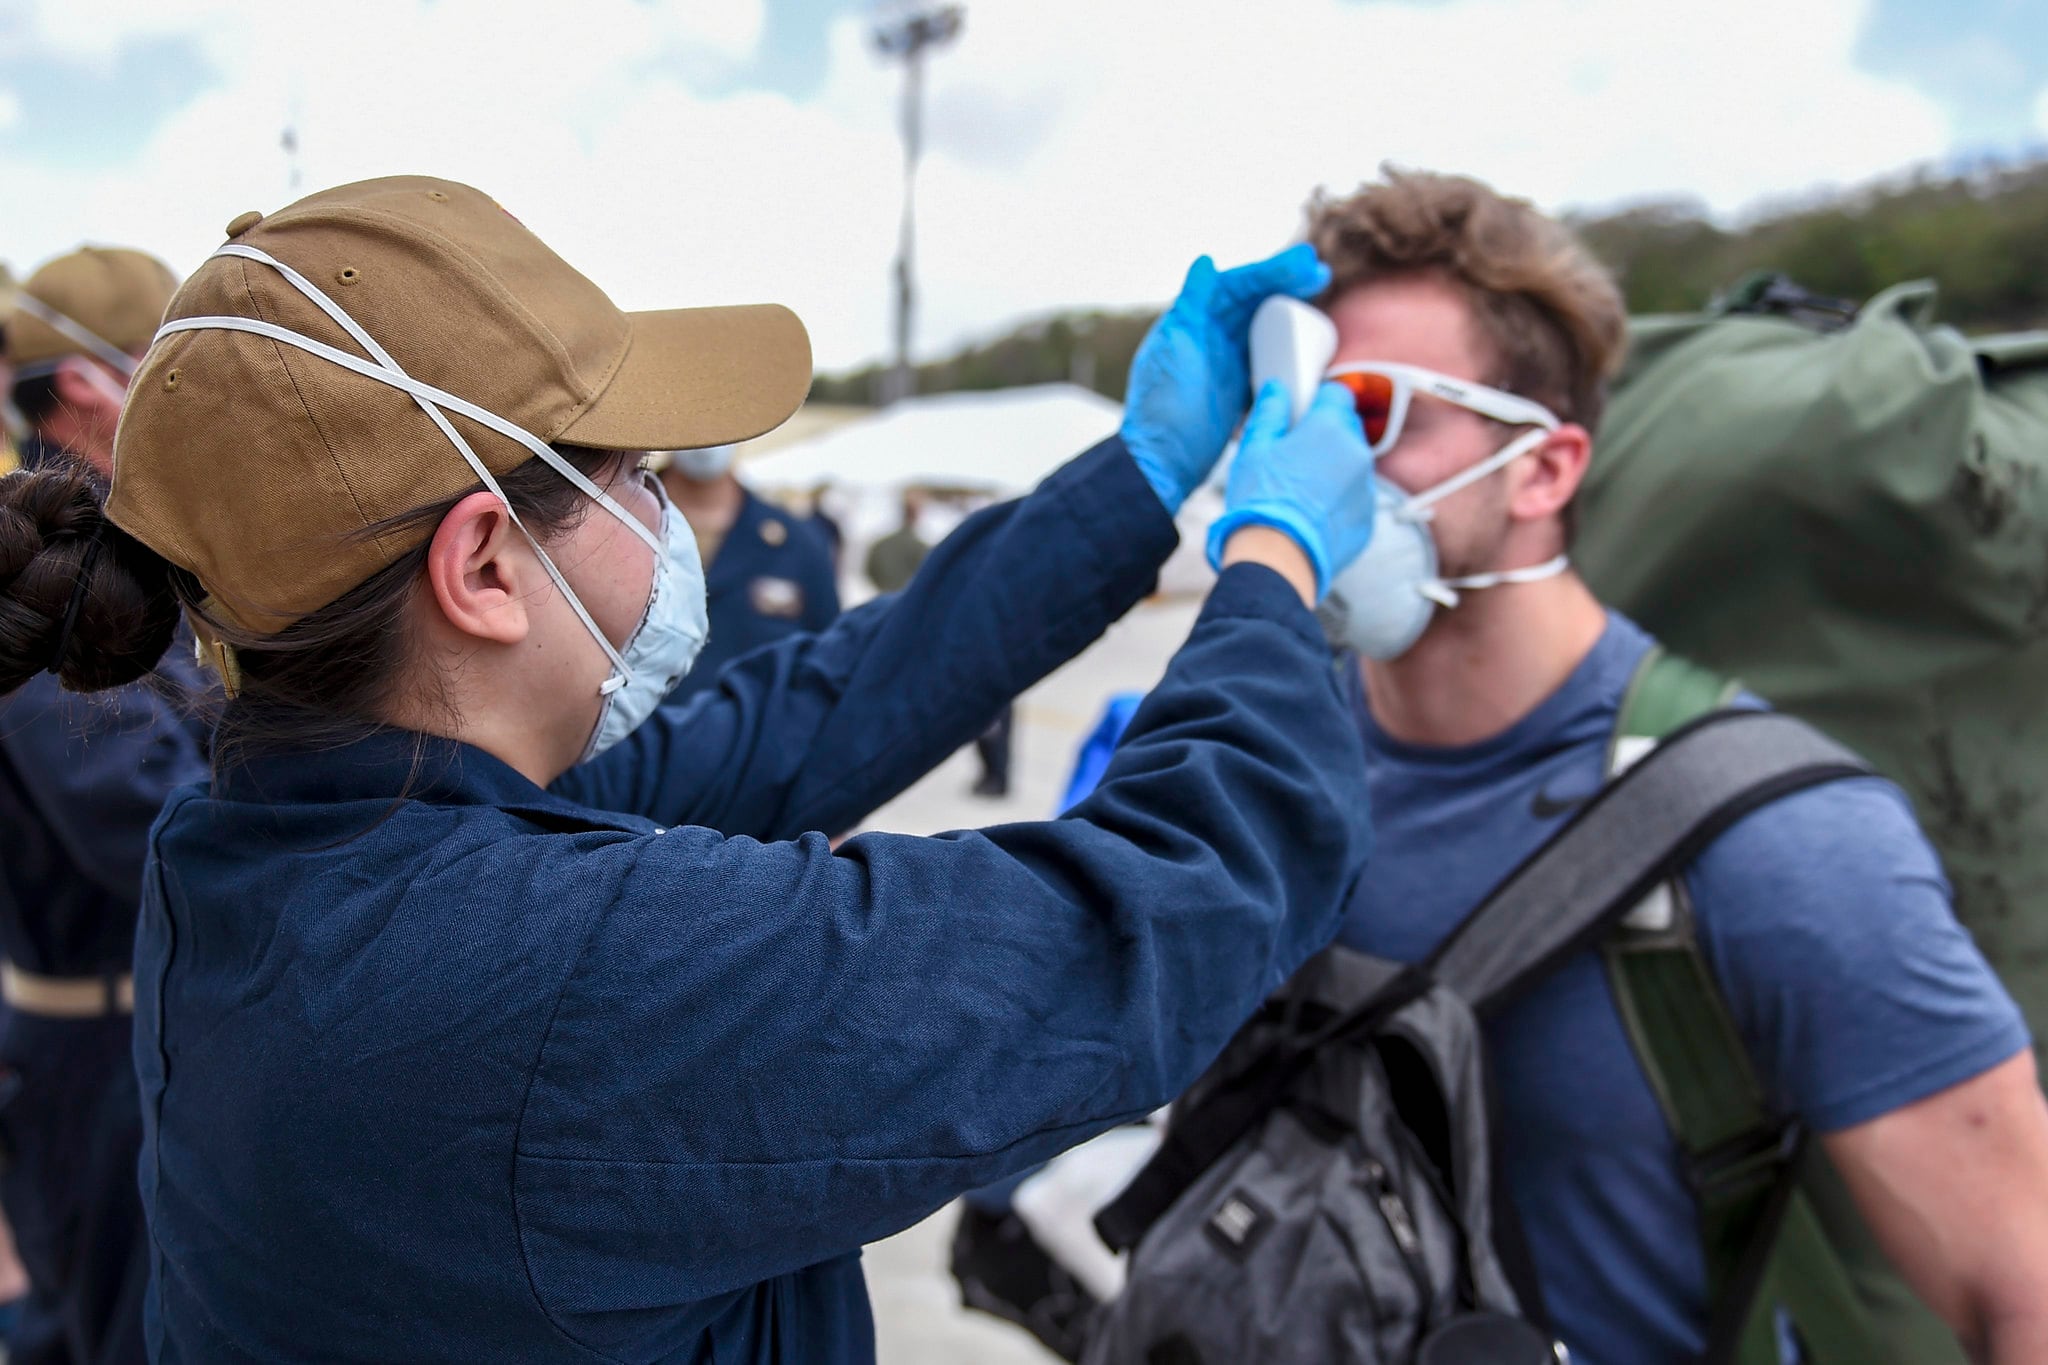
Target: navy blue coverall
{"x": 496, "y": 1073}
{"x": 771, "y": 578}
{"x": 81, "y": 781}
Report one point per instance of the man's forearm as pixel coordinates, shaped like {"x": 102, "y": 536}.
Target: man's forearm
{"x": 1955, "y": 1189}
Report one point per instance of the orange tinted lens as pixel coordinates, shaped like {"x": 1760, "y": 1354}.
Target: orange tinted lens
{"x": 1373, "y": 395}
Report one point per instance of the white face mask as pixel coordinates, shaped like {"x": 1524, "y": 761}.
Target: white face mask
{"x": 1382, "y": 601}
{"x": 707, "y": 465}
{"x": 672, "y": 630}
{"x": 667, "y": 640}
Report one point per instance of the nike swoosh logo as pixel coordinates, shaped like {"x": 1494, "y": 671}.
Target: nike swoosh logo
{"x": 1544, "y": 806}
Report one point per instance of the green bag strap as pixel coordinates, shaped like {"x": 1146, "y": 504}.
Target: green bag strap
{"x": 1765, "y": 1248}
{"x": 1664, "y": 693}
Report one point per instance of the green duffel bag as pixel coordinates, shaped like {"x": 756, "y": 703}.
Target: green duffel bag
{"x": 1848, "y": 510}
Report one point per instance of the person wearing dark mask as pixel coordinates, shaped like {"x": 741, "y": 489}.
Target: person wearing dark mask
{"x": 81, "y": 780}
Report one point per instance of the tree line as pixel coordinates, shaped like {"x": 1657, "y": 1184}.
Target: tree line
{"x": 1981, "y": 232}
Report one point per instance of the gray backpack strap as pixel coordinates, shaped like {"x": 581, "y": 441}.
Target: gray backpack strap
{"x": 1639, "y": 830}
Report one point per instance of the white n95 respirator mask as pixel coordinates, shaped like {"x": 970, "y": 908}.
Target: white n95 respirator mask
{"x": 667, "y": 641}
{"x": 1380, "y": 603}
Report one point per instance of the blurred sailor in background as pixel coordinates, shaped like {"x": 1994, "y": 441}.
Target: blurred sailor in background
{"x": 768, "y": 574}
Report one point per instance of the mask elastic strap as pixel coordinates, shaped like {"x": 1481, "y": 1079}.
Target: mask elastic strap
{"x": 1445, "y": 591}
{"x": 290, "y": 338}
{"x": 1534, "y": 573}
{"x": 76, "y": 332}
{"x": 1417, "y": 507}
{"x": 430, "y": 400}
{"x": 621, "y": 674}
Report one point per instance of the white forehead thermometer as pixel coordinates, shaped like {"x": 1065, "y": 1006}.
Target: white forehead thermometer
{"x": 1293, "y": 343}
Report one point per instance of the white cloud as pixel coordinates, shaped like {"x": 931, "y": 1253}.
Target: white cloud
{"x": 10, "y": 110}
{"x": 1078, "y": 152}
{"x": 1186, "y": 131}
{"x": 93, "y": 31}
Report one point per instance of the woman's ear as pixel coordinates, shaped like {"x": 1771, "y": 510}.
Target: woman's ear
{"x": 1552, "y": 474}
{"x": 479, "y": 565}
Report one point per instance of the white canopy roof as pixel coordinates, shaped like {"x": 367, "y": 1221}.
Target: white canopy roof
{"x": 1003, "y": 441}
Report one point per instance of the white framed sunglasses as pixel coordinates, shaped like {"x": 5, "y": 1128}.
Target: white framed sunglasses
{"x": 1382, "y": 389}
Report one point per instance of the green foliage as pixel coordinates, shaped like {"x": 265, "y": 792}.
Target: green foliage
{"x": 1982, "y": 236}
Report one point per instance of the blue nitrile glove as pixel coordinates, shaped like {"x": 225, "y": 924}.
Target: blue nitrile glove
{"x": 1190, "y": 379}
{"x": 1313, "y": 482}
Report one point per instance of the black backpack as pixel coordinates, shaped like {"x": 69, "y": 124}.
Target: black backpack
{"x": 1326, "y": 1192}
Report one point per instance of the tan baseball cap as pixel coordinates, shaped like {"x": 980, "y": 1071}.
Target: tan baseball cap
{"x": 116, "y": 295}
{"x": 260, "y": 467}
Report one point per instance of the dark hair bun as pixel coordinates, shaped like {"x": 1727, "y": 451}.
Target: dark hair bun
{"x": 50, "y": 519}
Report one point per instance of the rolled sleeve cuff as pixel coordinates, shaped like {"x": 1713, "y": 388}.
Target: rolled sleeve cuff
{"x": 1952, "y": 1068}
{"x": 1255, "y": 592}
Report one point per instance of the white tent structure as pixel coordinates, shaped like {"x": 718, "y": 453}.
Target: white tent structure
{"x": 1001, "y": 442}
{"x": 988, "y": 445}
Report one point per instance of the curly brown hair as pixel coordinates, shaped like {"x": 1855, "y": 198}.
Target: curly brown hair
{"x": 1551, "y": 313}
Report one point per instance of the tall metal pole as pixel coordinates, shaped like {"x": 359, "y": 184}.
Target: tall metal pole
{"x": 901, "y": 381}
{"x": 294, "y": 116}
{"x": 908, "y": 37}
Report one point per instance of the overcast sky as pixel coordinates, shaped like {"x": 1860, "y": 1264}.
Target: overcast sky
{"x": 1080, "y": 152}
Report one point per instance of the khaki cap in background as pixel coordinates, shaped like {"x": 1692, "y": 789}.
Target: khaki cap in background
{"x": 10, "y": 459}
{"x": 259, "y": 467}
{"x": 116, "y": 294}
